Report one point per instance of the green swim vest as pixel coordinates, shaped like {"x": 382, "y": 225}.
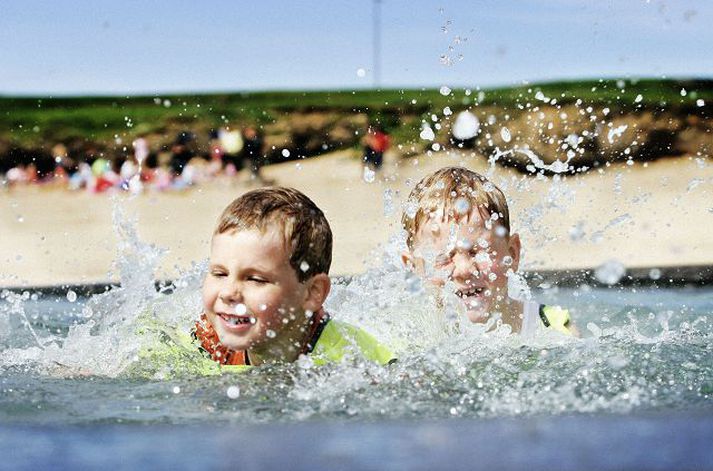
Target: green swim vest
{"x": 555, "y": 318}
{"x": 177, "y": 354}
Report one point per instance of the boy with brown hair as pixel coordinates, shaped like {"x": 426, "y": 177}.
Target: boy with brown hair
{"x": 458, "y": 231}
{"x": 267, "y": 282}
{"x": 263, "y": 296}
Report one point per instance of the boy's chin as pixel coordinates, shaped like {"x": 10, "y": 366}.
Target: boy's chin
{"x": 478, "y": 313}
{"x": 231, "y": 340}
{"x": 477, "y": 316}
{"x": 232, "y": 343}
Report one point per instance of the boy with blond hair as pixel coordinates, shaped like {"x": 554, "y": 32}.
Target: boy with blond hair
{"x": 457, "y": 224}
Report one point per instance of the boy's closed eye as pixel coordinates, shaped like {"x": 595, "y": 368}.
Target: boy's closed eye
{"x": 445, "y": 259}
{"x": 257, "y": 279}
{"x": 218, "y": 272}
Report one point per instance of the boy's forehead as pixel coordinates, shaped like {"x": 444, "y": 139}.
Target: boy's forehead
{"x": 269, "y": 238}
{"x": 438, "y": 226}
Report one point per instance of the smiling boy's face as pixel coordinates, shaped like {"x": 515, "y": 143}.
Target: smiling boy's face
{"x": 474, "y": 257}
{"x": 251, "y": 294}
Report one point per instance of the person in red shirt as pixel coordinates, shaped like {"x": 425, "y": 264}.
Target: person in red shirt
{"x": 376, "y": 142}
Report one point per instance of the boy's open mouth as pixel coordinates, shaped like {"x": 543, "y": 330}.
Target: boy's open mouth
{"x": 471, "y": 292}
{"x": 473, "y": 300}
{"x": 234, "y": 322}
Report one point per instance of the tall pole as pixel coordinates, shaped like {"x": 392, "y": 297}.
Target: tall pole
{"x": 377, "y": 43}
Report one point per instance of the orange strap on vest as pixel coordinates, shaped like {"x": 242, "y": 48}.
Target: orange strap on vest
{"x": 210, "y": 343}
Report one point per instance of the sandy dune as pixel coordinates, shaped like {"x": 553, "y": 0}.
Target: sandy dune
{"x": 646, "y": 215}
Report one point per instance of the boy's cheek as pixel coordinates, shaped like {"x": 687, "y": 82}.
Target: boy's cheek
{"x": 209, "y": 295}
{"x": 437, "y": 281}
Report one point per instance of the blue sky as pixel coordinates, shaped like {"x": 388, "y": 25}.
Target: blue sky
{"x": 66, "y": 47}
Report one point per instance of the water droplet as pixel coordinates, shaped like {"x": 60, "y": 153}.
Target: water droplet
{"x": 388, "y": 202}
{"x": 654, "y": 273}
{"x": 285, "y": 153}
{"x": 233, "y": 392}
{"x": 576, "y": 232}
{"x": 271, "y": 334}
{"x": 638, "y": 98}
{"x": 684, "y": 92}
{"x": 361, "y": 72}
{"x": 427, "y": 133}
{"x": 573, "y": 140}
{"x": 369, "y": 175}
{"x": 176, "y": 390}
{"x": 71, "y": 296}
{"x": 304, "y": 266}
{"x": 505, "y": 134}
{"x": 507, "y": 260}
{"x": 700, "y": 103}
{"x": 447, "y": 111}
{"x": 462, "y": 206}
{"x": 610, "y": 272}
{"x": 20, "y": 219}
{"x": 411, "y": 208}
{"x": 492, "y": 276}
{"x": 241, "y": 309}
{"x": 445, "y": 91}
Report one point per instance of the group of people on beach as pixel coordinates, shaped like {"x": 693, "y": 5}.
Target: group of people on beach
{"x": 268, "y": 275}
{"x": 180, "y": 165}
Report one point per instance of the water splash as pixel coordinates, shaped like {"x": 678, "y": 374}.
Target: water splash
{"x": 641, "y": 350}
{"x": 557, "y": 166}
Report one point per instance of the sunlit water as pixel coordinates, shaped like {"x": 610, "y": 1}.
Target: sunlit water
{"x": 64, "y": 359}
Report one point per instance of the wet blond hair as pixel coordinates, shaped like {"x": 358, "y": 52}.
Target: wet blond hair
{"x": 305, "y": 229}
{"x": 438, "y": 194}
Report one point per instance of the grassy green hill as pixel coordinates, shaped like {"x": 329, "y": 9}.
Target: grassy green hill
{"x": 33, "y": 122}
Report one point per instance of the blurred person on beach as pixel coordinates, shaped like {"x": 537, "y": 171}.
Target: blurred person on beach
{"x": 230, "y": 142}
{"x": 141, "y": 149}
{"x": 253, "y": 152}
{"x": 181, "y": 152}
{"x": 216, "y": 153}
{"x": 376, "y": 142}
{"x": 457, "y": 224}
{"x": 263, "y": 294}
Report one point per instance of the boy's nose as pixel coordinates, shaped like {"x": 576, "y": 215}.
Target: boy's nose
{"x": 231, "y": 293}
{"x": 464, "y": 268}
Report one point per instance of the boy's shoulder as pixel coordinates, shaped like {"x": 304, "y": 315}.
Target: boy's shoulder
{"x": 339, "y": 340}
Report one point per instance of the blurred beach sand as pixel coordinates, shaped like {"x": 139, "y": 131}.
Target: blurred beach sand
{"x": 656, "y": 214}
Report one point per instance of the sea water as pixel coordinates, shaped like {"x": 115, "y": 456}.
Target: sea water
{"x": 64, "y": 357}
{"x": 638, "y": 383}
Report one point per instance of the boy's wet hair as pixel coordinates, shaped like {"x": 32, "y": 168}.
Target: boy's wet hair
{"x": 439, "y": 194}
{"x": 305, "y": 229}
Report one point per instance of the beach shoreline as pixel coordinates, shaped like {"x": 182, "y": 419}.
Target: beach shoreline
{"x": 641, "y": 216}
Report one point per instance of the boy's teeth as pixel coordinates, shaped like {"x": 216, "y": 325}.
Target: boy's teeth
{"x": 238, "y": 320}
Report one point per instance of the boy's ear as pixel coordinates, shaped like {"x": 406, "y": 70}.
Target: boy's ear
{"x": 318, "y": 288}
{"x": 407, "y": 259}
{"x": 514, "y": 250}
